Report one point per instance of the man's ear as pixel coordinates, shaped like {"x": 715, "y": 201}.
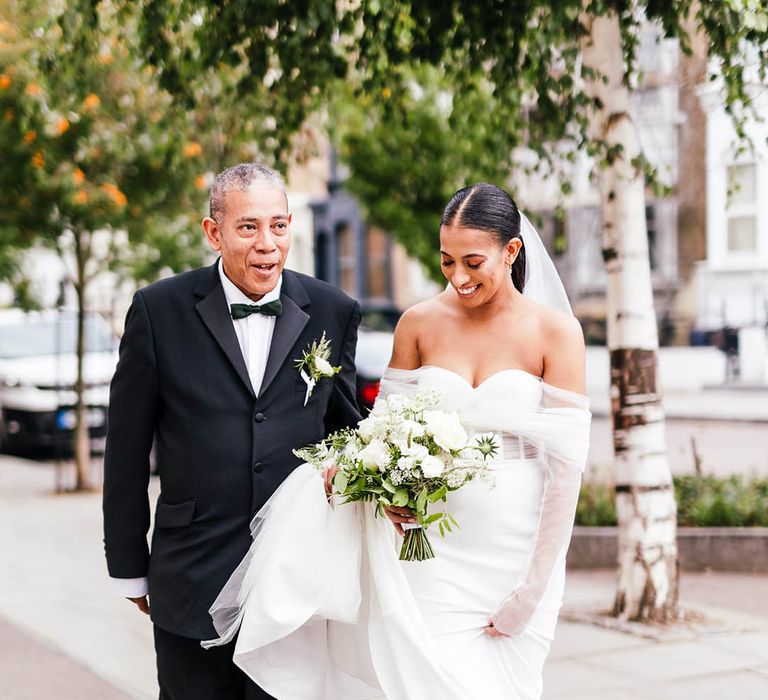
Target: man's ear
{"x": 212, "y": 232}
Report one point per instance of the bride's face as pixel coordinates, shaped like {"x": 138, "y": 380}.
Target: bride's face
{"x": 475, "y": 263}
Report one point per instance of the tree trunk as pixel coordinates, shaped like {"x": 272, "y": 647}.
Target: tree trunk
{"x": 82, "y": 443}
{"x": 645, "y": 499}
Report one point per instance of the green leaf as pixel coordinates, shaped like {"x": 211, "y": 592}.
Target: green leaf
{"x": 340, "y": 482}
{"x": 440, "y": 494}
{"x": 401, "y": 498}
{"x": 421, "y": 500}
{"x": 387, "y": 484}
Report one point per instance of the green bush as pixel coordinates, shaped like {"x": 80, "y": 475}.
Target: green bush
{"x": 702, "y": 501}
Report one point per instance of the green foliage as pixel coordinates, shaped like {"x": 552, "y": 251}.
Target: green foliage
{"x": 92, "y": 145}
{"x": 702, "y": 501}
{"x": 406, "y": 157}
{"x": 512, "y": 74}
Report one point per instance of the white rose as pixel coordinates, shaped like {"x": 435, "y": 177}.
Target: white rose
{"x": 323, "y": 367}
{"x": 416, "y": 451}
{"x": 446, "y": 429}
{"x": 376, "y": 454}
{"x": 432, "y": 467}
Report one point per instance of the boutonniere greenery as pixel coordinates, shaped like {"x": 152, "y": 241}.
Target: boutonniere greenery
{"x": 315, "y": 364}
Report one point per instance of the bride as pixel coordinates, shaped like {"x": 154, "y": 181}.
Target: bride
{"x": 324, "y": 608}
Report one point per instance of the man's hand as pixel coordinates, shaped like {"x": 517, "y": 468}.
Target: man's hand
{"x": 141, "y": 603}
{"x": 399, "y": 515}
{"x": 328, "y": 475}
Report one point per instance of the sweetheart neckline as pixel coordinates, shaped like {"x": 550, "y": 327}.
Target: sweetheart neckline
{"x": 487, "y": 379}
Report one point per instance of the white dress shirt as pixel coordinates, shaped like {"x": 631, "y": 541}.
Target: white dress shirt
{"x": 254, "y": 334}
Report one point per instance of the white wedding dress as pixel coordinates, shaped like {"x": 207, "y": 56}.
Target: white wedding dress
{"x": 326, "y": 611}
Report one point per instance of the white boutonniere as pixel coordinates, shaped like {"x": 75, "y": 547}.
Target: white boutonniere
{"x": 315, "y": 364}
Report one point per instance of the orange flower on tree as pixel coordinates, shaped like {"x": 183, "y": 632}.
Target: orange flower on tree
{"x": 81, "y": 197}
{"x": 5, "y": 82}
{"x": 37, "y": 160}
{"x": 192, "y": 149}
{"x": 33, "y": 89}
{"x": 200, "y": 182}
{"x": 78, "y": 176}
{"x": 114, "y": 194}
{"x": 30, "y": 136}
{"x": 91, "y": 101}
{"x": 62, "y": 126}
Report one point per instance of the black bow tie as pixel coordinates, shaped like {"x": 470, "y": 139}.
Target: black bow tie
{"x": 271, "y": 308}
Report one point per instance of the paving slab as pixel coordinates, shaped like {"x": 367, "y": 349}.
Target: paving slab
{"x": 32, "y": 670}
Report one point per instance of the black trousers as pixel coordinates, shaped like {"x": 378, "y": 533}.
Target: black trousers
{"x": 186, "y": 671}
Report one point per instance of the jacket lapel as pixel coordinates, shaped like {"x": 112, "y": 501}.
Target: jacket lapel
{"x": 288, "y": 326}
{"x": 213, "y": 310}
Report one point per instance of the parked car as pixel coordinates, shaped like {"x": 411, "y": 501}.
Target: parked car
{"x": 38, "y": 370}
{"x": 374, "y": 348}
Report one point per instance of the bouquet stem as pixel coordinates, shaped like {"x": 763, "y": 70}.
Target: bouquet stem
{"x": 416, "y": 546}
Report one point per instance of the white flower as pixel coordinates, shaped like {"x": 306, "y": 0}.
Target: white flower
{"x": 371, "y": 427}
{"x": 405, "y": 463}
{"x": 416, "y": 451}
{"x": 376, "y": 454}
{"x": 432, "y": 466}
{"x": 446, "y": 429}
{"x": 396, "y": 402}
{"x": 323, "y": 367}
{"x": 351, "y": 449}
{"x": 412, "y": 428}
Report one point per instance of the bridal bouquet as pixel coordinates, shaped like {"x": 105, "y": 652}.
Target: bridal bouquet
{"x": 405, "y": 453}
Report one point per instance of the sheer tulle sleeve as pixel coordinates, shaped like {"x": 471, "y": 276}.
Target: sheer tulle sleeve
{"x": 557, "y": 433}
{"x": 398, "y": 381}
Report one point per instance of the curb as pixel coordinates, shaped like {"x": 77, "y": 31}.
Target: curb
{"x": 738, "y": 549}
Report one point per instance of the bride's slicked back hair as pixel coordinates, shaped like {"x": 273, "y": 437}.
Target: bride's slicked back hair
{"x": 488, "y": 208}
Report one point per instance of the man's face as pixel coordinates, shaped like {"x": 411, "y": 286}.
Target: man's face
{"x": 253, "y": 236}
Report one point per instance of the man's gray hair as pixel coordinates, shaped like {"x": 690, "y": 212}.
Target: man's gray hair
{"x": 240, "y": 178}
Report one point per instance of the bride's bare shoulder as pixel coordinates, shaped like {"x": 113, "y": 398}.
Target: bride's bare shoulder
{"x": 410, "y": 327}
{"x": 560, "y": 326}
{"x": 564, "y": 351}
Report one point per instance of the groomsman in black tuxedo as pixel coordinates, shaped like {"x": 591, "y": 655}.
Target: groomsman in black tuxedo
{"x": 207, "y": 373}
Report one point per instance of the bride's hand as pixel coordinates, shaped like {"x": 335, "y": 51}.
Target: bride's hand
{"x": 398, "y": 516}
{"x": 328, "y": 475}
{"x": 491, "y": 631}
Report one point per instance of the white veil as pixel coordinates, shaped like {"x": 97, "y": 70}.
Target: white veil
{"x": 542, "y": 282}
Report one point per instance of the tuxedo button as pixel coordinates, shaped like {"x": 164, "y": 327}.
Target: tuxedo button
{"x": 258, "y": 417}
{"x": 257, "y": 467}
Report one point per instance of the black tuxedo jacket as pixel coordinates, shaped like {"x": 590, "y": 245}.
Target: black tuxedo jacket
{"x": 221, "y": 451}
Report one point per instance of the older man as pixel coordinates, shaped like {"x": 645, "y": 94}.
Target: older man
{"x": 207, "y": 372}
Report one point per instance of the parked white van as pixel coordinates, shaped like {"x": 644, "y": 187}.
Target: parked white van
{"x": 38, "y": 370}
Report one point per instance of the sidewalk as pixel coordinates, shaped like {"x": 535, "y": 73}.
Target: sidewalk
{"x": 61, "y": 625}
{"x": 711, "y": 404}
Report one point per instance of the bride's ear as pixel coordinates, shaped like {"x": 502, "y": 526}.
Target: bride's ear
{"x": 512, "y": 250}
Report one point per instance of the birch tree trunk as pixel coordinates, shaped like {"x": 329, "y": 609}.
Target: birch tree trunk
{"x": 645, "y": 499}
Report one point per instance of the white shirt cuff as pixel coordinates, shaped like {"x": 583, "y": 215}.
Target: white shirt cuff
{"x": 130, "y": 587}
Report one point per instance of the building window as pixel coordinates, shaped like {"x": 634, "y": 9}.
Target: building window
{"x": 377, "y": 264}
{"x": 345, "y": 246}
{"x": 742, "y": 208}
